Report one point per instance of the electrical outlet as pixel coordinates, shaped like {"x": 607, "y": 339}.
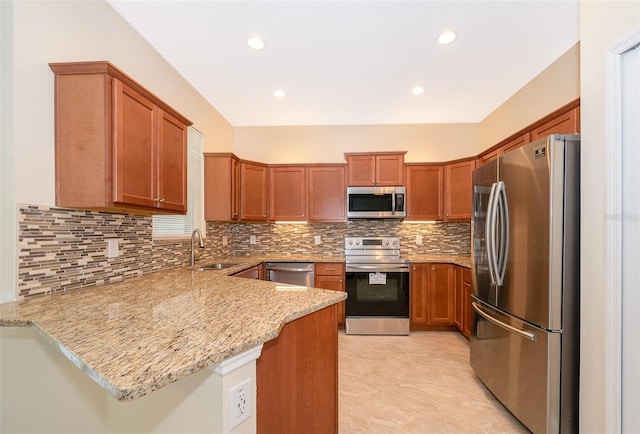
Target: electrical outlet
{"x": 224, "y": 240}
{"x": 112, "y": 248}
{"x": 239, "y": 403}
{"x": 252, "y": 239}
{"x": 317, "y": 239}
{"x": 419, "y": 240}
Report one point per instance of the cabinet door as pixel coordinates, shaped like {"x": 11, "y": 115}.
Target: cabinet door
{"x": 424, "y": 192}
{"x": 419, "y": 283}
{"x": 566, "y": 123}
{"x": 458, "y": 190}
{"x": 250, "y": 273}
{"x": 459, "y": 299}
{"x": 489, "y": 156}
{"x": 327, "y": 193}
{"x": 362, "y": 170}
{"x": 172, "y": 163}
{"x": 468, "y": 309}
{"x": 334, "y": 283}
{"x": 135, "y": 134}
{"x": 515, "y": 143}
{"x": 440, "y": 295}
{"x": 287, "y": 193}
{"x": 253, "y": 192}
{"x": 221, "y": 180}
{"x": 389, "y": 170}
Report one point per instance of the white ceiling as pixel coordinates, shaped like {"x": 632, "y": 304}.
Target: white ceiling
{"x": 355, "y": 62}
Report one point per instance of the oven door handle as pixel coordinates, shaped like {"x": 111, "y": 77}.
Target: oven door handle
{"x": 382, "y": 268}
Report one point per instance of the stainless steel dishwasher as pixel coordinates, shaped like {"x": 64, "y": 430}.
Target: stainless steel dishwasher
{"x": 295, "y": 273}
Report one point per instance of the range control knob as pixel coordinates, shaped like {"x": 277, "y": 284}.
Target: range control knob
{"x": 395, "y": 242}
{"x": 386, "y": 242}
{"x": 350, "y": 242}
{"x": 357, "y": 242}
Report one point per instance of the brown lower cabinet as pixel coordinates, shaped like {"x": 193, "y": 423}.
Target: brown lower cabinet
{"x": 432, "y": 296}
{"x": 255, "y": 272}
{"x": 466, "y": 300}
{"x": 330, "y": 275}
{"x": 463, "y": 308}
{"x": 297, "y": 377}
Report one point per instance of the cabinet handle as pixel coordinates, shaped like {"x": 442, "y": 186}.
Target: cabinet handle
{"x": 161, "y": 200}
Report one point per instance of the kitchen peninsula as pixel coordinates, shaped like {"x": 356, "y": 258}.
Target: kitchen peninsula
{"x": 192, "y": 334}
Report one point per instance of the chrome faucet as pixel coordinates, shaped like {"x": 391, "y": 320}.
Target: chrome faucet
{"x": 200, "y": 244}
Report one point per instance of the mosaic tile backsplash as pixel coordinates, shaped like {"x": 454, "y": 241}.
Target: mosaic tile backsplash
{"x": 60, "y": 249}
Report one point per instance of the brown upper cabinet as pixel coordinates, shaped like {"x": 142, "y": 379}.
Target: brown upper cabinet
{"x": 458, "y": 189}
{"x": 288, "y": 193}
{"x": 380, "y": 168}
{"x": 234, "y": 189}
{"x": 565, "y": 120}
{"x": 118, "y": 146}
{"x": 564, "y": 123}
{"x": 515, "y": 143}
{"x": 424, "y": 191}
{"x": 253, "y": 191}
{"x": 327, "y": 193}
{"x": 221, "y": 187}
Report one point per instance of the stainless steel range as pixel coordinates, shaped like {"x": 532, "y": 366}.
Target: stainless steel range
{"x": 377, "y": 284}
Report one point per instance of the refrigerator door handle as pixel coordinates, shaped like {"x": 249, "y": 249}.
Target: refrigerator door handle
{"x": 503, "y": 211}
{"x": 490, "y": 237}
{"x": 521, "y": 333}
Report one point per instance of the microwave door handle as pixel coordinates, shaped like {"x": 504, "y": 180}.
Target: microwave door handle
{"x": 393, "y": 203}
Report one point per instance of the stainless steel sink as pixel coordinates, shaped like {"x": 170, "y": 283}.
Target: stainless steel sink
{"x": 216, "y": 266}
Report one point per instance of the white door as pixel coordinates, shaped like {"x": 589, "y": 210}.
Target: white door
{"x": 630, "y": 68}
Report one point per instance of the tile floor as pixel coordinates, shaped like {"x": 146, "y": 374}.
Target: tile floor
{"x": 415, "y": 384}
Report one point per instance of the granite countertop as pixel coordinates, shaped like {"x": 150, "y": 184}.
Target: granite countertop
{"x": 138, "y": 335}
{"x": 143, "y": 333}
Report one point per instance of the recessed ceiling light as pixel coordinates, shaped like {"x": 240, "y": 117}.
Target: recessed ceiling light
{"x": 279, "y": 94}
{"x": 447, "y": 37}
{"x": 255, "y": 43}
{"x": 417, "y": 90}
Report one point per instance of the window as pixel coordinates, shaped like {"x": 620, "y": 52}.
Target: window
{"x": 181, "y": 226}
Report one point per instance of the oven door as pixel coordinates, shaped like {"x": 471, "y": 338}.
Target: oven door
{"x": 377, "y": 290}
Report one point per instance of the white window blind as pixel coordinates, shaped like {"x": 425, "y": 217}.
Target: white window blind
{"x": 179, "y": 226}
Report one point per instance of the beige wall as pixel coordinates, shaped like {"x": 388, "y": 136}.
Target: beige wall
{"x": 62, "y": 31}
{"x": 35, "y": 33}
{"x": 554, "y": 87}
{"x": 327, "y": 144}
{"x": 602, "y": 24}
{"x": 43, "y": 392}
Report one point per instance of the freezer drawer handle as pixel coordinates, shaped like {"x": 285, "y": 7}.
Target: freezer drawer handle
{"x": 512, "y": 329}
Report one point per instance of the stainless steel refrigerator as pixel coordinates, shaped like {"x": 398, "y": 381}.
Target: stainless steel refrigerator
{"x": 526, "y": 283}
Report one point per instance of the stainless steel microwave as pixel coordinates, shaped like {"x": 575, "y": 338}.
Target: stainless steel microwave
{"x": 376, "y": 202}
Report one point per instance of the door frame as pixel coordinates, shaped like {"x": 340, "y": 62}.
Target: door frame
{"x": 614, "y": 220}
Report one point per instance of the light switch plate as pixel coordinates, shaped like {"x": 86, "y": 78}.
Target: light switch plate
{"x": 419, "y": 240}
{"x": 112, "y": 248}
{"x": 317, "y": 239}
{"x": 252, "y": 239}
{"x": 224, "y": 240}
